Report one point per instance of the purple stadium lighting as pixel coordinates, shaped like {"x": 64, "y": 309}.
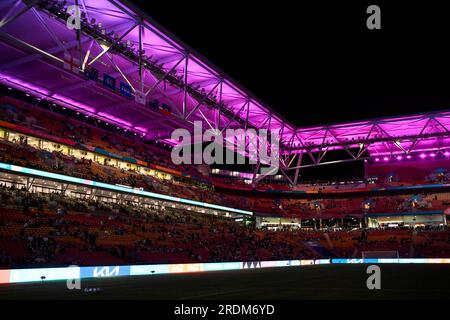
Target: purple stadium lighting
{"x": 180, "y": 78}
{"x": 75, "y": 105}
{"x": 446, "y": 153}
{"x": 399, "y": 158}
{"x": 118, "y": 120}
{"x": 432, "y": 154}
{"x": 22, "y": 85}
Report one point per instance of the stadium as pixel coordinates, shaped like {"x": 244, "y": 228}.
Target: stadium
{"x": 92, "y": 205}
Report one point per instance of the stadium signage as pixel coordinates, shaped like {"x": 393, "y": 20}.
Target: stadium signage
{"x": 74, "y": 272}
{"x": 105, "y": 272}
{"x": 349, "y": 260}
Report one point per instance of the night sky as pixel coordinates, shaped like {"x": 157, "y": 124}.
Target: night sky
{"x": 319, "y": 64}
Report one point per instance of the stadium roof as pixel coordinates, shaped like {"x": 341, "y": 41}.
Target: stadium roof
{"x": 26, "y": 31}
{"x": 41, "y": 53}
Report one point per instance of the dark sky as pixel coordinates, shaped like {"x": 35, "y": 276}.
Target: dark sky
{"x": 318, "y": 64}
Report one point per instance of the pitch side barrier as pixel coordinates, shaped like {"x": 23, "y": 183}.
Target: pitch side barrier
{"x": 74, "y": 272}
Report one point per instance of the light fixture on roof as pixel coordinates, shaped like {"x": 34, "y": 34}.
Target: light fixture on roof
{"x": 105, "y": 46}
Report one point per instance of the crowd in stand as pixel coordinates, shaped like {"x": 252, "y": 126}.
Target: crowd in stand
{"x": 45, "y": 228}
{"x": 52, "y": 229}
{"x": 18, "y": 112}
{"x": 357, "y": 205}
{"x": 421, "y": 242}
{"x": 15, "y": 111}
{"x": 18, "y": 152}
